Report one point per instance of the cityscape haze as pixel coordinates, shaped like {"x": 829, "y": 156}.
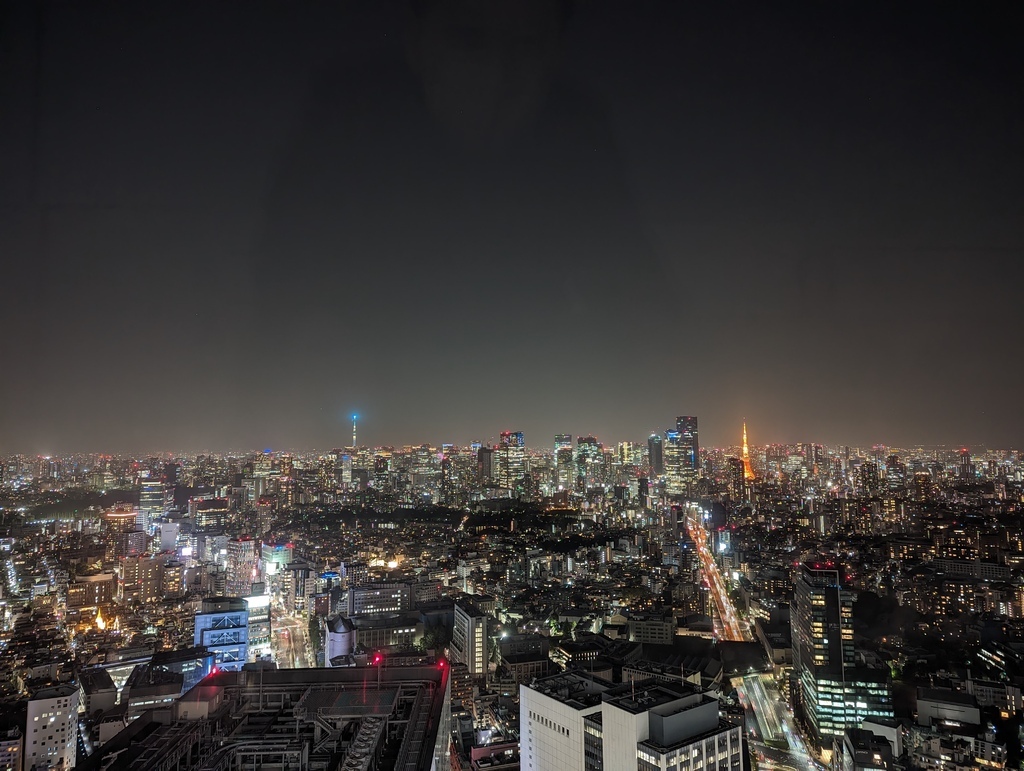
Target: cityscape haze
{"x": 539, "y": 385}
{"x": 232, "y": 229}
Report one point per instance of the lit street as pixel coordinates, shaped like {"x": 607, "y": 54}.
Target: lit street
{"x": 291, "y": 642}
{"x": 732, "y": 628}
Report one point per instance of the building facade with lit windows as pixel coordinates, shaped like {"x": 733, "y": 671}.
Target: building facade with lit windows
{"x": 469, "y": 638}
{"x": 11, "y": 749}
{"x": 831, "y": 691}
{"x": 51, "y": 728}
{"x": 388, "y": 597}
{"x": 151, "y": 503}
{"x": 509, "y": 459}
{"x": 241, "y": 566}
{"x": 209, "y": 514}
{"x": 258, "y": 606}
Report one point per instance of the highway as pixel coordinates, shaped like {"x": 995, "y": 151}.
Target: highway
{"x": 774, "y": 723}
{"x": 769, "y": 717}
{"x": 732, "y": 628}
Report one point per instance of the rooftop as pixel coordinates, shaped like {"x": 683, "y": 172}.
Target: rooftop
{"x": 574, "y": 689}
{"x": 641, "y": 696}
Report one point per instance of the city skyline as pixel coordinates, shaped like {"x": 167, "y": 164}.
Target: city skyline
{"x": 547, "y": 385}
{"x": 533, "y": 446}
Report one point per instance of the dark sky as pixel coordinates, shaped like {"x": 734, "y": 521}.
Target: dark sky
{"x": 228, "y": 225}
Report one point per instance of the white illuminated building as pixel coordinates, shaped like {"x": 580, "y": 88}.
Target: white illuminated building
{"x": 51, "y": 728}
{"x": 578, "y": 722}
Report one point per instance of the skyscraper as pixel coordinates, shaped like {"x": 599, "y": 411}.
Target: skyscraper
{"x": 510, "y": 459}
{"x": 589, "y": 463}
{"x": 830, "y": 691}
{"x": 655, "y": 456}
{"x": 241, "y": 567}
{"x": 687, "y": 428}
{"x": 124, "y": 538}
{"x": 965, "y": 469}
{"x": 485, "y": 465}
{"x": 681, "y": 456}
{"x": 673, "y": 455}
{"x": 447, "y": 485}
{"x": 564, "y": 469}
{"x": 381, "y": 472}
{"x": 151, "y": 503}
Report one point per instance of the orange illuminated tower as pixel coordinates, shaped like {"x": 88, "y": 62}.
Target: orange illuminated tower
{"x": 748, "y": 472}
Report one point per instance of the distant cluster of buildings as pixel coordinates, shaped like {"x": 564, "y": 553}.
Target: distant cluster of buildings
{"x": 655, "y": 605}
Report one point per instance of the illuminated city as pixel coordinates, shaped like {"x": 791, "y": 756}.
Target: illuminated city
{"x": 537, "y": 385}
{"x": 826, "y": 598}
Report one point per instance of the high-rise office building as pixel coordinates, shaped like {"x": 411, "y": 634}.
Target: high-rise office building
{"x": 590, "y": 471}
{"x": 736, "y": 472}
{"x": 222, "y": 626}
{"x": 469, "y": 638}
{"x": 241, "y": 567}
{"x": 655, "y": 457}
{"x": 686, "y": 425}
{"x": 830, "y": 691}
{"x": 151, "y": 503}
{"x": 381, "y": 472}
{"x": 965, "y": 469}
{"x": 485, "y": 465}
{"x": 643, "y": 492}
{"x": 343, "y": 470}
{"x": 562, "y": 440}
{"x": 895, "y": 473}
{"x": 565, "y": 474}
{"x": 510, "y": 459}
{"x": 447, "y": 483}
{"x": 578, "y": 722}
{"x": 680, "y": 474}
{"x": 124, "y": 538}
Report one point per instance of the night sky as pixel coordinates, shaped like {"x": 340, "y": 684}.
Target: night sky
{"x": 231, "y": 225}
